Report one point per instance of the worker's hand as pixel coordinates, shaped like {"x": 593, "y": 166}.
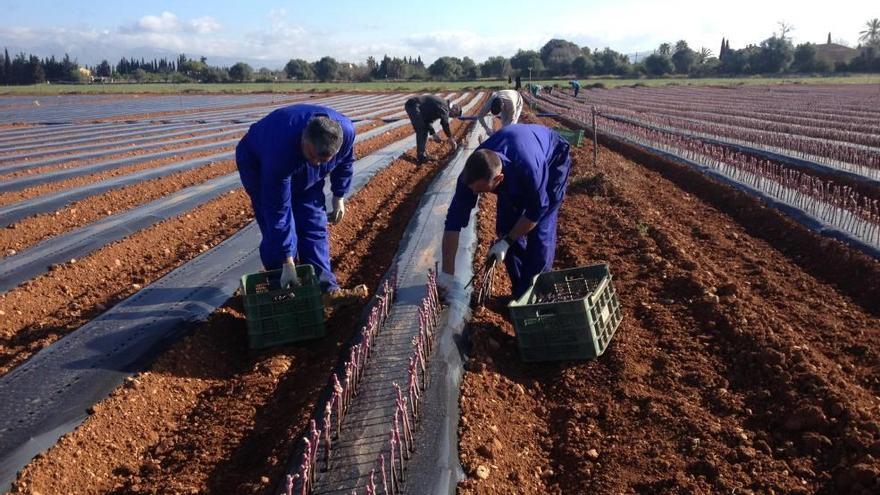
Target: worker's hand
{"x": 453, "y": 144}
{"x": 338, "y": 212}
{"x": 289, "y": 278}
{"x": 437, "y": 138}
{"x": 499, "y": 250}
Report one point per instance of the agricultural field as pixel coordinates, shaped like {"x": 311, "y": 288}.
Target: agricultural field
{"x": 41, "y": 90}
{"x": 741, "y": 225}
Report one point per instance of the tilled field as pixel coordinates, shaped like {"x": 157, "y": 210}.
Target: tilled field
{"x": 70, "y": 294}
{"x": 747, "y": 362}
{"x": 210, "y": 416}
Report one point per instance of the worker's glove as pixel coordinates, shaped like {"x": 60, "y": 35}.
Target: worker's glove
{"x": 338, "y": 212}
{"x": 437, "y": 138}
{"x": 499, "y": 250}
{"x": 453, "y": 144}
{"x": 289, "y": 278}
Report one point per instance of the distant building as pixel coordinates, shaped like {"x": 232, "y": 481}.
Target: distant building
{"x": 85, "y": 74}
{"x": 834, "y": 53}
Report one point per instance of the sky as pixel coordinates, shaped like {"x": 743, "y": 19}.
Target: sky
{"x": 270, "y": 32}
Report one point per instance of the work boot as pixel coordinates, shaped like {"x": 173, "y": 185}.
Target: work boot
{"x": 341, "y": 298}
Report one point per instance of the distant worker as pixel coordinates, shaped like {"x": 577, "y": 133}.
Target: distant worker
{"x": 509, "y": 80}
{"x": 536, "y": 89}
{"x": 506, "y": 104}
{"x": 527, "y": 166}
{"x": 518, "y": 85}
{"x": 283, "y": 161}
{"x": 423, "y": 111}
{"x": 576, "y": 86}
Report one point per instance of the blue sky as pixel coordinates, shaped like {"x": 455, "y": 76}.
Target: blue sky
{"x": 267, "y": 32}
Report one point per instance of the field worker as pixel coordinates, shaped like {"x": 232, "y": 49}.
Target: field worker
{"x": 506, "y": 104}
{"x": 423, "y": 111}
{"x": 536, "y": 89}
{"x": 283, "y": 161}
{"x": 576, "y": 86}
{"x": 527, "y": 166}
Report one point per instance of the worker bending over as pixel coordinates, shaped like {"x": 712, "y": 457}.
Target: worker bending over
{"x": 527, "y": 166}
{"x": 423, "y": 111}
{"x": 506, "y": 104}
{"x": 283, "y": 161}
{"x": 576, "y": 86}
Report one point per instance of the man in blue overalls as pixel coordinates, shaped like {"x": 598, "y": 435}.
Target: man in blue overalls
{"x": 527, "y": 166}
{"x": 283, "y": 161}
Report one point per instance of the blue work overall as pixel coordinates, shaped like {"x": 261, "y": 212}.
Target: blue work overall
{"x": 536, "y": 163}
{"x": 287, "y": 192}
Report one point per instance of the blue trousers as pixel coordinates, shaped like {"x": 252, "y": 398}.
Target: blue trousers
{"x": 309, "y": 218}
{"x": 534, "y": 253}
{"x": 531, "y": 254}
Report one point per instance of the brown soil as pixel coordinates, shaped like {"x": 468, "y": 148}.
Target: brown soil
{"x": 210, "y": 416}
{"x": 34, "y": 229}
{"x": 747, "y": 361}
{"x": 48, "y": 307}
{"x": 171, "y": 113}
{"x": 42, "y": 189}
{"x": 37, "y": 228}
{"x": 107, "y": 140}
{"x": 369, "y": 146}
{"x": 374, "y": 123}
{"x": 120, "y": 154}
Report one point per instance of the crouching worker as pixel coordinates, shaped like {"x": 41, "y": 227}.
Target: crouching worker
{"x": 283, "y": 161}
{"x": 423, "y": 111}
{"x": 527, "y": 166}
{"x": 506, "y": 104}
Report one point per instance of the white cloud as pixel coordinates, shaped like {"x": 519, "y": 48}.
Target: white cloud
{"x": 204, "y": 25}
{"x": 624, "y": 25}
{"x": 166, "y": 22}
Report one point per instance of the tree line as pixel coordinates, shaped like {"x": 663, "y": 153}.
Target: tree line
{"x": 557, "y": 58}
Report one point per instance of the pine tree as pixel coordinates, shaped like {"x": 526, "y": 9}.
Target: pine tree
{"x": 4, "y": 68}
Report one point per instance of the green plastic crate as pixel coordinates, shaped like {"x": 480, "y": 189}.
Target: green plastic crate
{"x": 282, "y": 316}
{"x": 576, "y": 328}
{"x": 574, "y": 136}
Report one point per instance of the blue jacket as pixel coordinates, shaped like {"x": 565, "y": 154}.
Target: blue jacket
{"x": 535, "y": 164}
{"x": 283, "y": 175}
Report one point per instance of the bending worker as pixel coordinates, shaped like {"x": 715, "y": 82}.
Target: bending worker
{"x": 423, "y": 111}
{"x": 576, "y": 86}
{"x": 527, "y": 166}
{"x": 283, "y": 161}
{"x": 506, "y": 104}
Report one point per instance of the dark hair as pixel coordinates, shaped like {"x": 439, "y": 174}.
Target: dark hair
{"x": 325, "y": 134}
{"x": 454, "y": 110}
{"x": 496, "y": 106}
{"x": 481, "y": 165}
